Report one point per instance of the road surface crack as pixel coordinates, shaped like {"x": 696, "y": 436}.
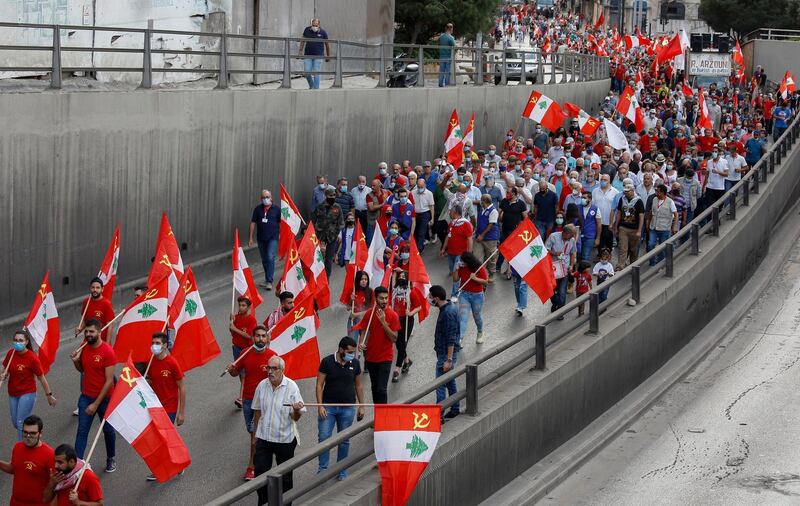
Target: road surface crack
{"x": 678, "y": 450}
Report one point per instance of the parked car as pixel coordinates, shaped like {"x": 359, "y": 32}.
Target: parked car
{"x": 402, "y": 73}
{"x": 514, "y": 66}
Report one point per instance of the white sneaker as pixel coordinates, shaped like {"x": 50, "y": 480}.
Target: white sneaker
{"x": 453, "y": 299}
{"x": 75, "y": 413}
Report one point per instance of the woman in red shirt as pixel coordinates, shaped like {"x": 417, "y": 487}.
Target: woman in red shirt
{"x": 472, "y": 278}
{"x": 406, "y": 303}
{"x": 22, "y": 367}
{"x": 361, "y": 301}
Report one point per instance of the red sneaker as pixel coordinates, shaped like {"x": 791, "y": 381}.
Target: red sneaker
{"x": 249, "y": 474}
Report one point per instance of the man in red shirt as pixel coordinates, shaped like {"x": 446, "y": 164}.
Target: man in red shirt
{"x": 31, "y": 464}
{"x": 459, "y": 240}
{"x": 382, "y": 333}
{"x": 166, "y": 378}
{"x": 61, "y": 486}
{"x": 254, "y": 367}
{"x": 708, "y": 141}
{"x": 96, "y": 361}
{"x": 242, "y": 325}
{"x": 99, "y": 308}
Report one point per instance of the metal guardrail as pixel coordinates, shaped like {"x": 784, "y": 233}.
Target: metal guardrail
{"x": 773, "y": 34}
{"x": 478, "y": 65}
{"x": 686, "y": 241}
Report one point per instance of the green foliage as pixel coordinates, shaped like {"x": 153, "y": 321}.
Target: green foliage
{"x": 744, "y": 16}
{"x": 419, "y": 21}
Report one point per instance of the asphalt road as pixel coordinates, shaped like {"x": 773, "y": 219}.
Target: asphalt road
{"x": 726, "y": 434}
{"x": 214, "y": 430}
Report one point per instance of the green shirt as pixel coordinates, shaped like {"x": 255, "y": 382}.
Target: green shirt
{"x": 446, "y": 43}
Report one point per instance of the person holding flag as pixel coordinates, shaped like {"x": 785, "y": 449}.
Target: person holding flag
{"x": 166, "y": 379}
{"x": 472, "y": 280}
{"x": 253, "y": 368}
{"x": 71, "y": 470}
{"x": 380, "y": 327}
{"x": 407, "y": 302}
{"x": 360, "y": 302}
{"x": 242, "y": 325}
{"x": 96, "y": 307}
{"x": 286, "y": 304}
{"x": 265, "y": 225}
{"x": 22, "y": 367}
{"x": 96, "y": 361}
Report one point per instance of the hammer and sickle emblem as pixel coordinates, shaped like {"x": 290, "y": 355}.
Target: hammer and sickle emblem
{"x": 453, "y": 123}
{"x": 299, "y": 313}
{"x": 29, "y": 466}
{"x": 293, "y": 256}
{"x": 43, "y": 291}
{"x": 187, "y": 286}
{"x": 533, "y": 99}
{"x": 152, "y": 293}
{"x": 421, "y": 421}
{"x": 126, "y": 377}
{"x": 165, "y": 260}
{"x": 314, "y": 239}
{"x": 169, "y": 232}
{"x": 526, "y": 236}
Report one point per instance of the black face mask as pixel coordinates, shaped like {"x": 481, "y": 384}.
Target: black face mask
{"x": 330, "y": 200}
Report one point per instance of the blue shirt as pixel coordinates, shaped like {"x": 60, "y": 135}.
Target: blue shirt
{"x": 755, "y": 149}
{"x": 448, "y": 332}
{"x": 546, "y": 204}
{"x": 782, "y": 115}
{"x": 267, "y": 220}
{"x": 431, "y": 181}
{"x": 446, "y": 43}
{"x": 315, "y": 48}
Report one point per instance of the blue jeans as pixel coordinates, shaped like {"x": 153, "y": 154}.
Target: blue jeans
{"x": 452, "y": 262}
{"x": 268, "y": 249}
{"x": 444, "y": 74}
{"x": 172, "y": 416}
{"x": 312, "y": 65}
{"x": 342, "y": 418}
{"x": 587, "y": 245}
{"x": 542, "y": 227}
{"x": 20, "y": 408}
{"x": 559, "y": 298}
{"x": 355, "y": 334}
{"x": 236, "y": 352}
{"x": 657, "y": 237}
{"x": 520, "y": 291}
{"x": 503, "y": 236}
{"x": 247, "y": 411}
{"x": 450, "y": 385}
{"x": 470, "y": 302}
{"x": 421, "y": 230}
{"x": 85, "y": 425}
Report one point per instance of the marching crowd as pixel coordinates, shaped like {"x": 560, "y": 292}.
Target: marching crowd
{"x": 594, "y": 206}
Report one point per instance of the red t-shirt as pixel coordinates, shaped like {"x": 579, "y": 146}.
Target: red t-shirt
{"x": 246, "y": 324}
{"x": 100, "y": 310}
{"x": 255, "y": 370}
{"x": 31, "y": 469}
{"x": 94, "y": 362}
{"x": 707, "y": 143}
{"x": 583, "y": 282}
{"x": 379, "y": 347}
{"x": 415, "y": 300}
{"x": 459, "y": 232}
{"x": 467, "y": 285}
{"x": 644, "y": 142}
{"x": 22, "y": 373}
{"x": 88, "y": 490}
{"x": 680, "y": 144}
{"x": 164, "y": 375}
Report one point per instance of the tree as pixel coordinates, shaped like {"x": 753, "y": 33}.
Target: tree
{"x": 744, "y": 16}
{"x": 418, "y": 21}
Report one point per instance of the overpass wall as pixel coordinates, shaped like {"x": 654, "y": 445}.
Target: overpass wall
{"x": 525, "y": 417}
{"x": 774, "y": 56}
{"x": 74, "y": 165}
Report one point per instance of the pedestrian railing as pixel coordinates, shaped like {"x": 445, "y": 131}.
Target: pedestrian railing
{"x": 223, "y": 55}
{"x": 628, "y": 282}
{"x": 773, "y": 34}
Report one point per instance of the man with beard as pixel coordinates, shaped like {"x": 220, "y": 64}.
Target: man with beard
{"x": 96, "y": 307}
{"x": 68, "y": 470}
{"x": 31, "y": 464}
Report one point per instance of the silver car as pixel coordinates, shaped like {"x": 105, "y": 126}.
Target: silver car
{"x": 514, "y": 66}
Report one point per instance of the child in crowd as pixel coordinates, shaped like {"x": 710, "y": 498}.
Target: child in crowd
{"x": 603, "y": 270}
{"x": 583, "y": 281}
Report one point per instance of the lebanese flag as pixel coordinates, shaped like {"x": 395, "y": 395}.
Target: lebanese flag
{"x": 546, "y": 47}
{"x": 108, "y": 270}
{"x": 600, "y": 21}
{"x": 163, "y": 267}
{"x": 356, "y": 262}
{"x": 643, "y": 41}
{"x": 687, "y": 91}
{"x": 387, "y": 272}
{"x": 526, "y": 253}
{"x": 290, "y": 222}
{"x": 587, "y": 124}
{"x": 144, "y": 317}
{"x": 242, "y": 276}
{"x": 195, "y": 343}
{"x": 628, "y": 107}
{"x": 738, "y": 59}
{"x": 44, "y": 325}
{"x": 453, "y": 142}
{"x": 293, "y": 279}
{"x": 787, "y": 85}
{"x": 374, "y": 266}
{"x": 704, "y": 120}
{"x": 469, "y": 133}
{"x": 418, "y": 277}
{"x": 632, "y": 41}
{"x": 312, "y": 257}
{"x": 136, "y": 413}
{"x": 167, "y": 239}
{"x": 405, "y": 437}
{"x": 545, "y": 111}
{"x": 294, "y": 338}
{"x": 671, "y": 50}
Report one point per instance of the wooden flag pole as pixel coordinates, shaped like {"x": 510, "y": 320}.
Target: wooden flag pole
{"x": 83, "y": 317}
{"x": 479, "y": 268}
{"x": 89, "y": 455}
{"x": 366, "y": 331}
{"x": 112, "y": 321}
{"x": 246, "y": 351}
{"x": 149, "y": 363}
{"x": 233, "y": 294}
{"x": 8, "y": 365}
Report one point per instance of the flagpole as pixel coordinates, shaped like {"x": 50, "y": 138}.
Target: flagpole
{"x": 233, "y": 293}
{"x": 91, "y": 451}
{"x": 366, "y": 332}
{"x": 479, "y": 268}
{"x": 147, "y": 369}
{"x": 8, "y": 365}
{"x": 112, "y": 321}
{"x": 246, "y": 351}
{"x": 83, "y": 316}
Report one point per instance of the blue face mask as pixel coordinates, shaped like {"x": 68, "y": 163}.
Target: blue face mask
{"x": 18, "y": 347}
{"x": 403, "y": 200}
{"x": 603, "y": 184}
{"x": 404, "y": 256}
{"x": 322, "y": 186}
{"x": 155, "y": 349}
{"x": 349, "y": 357}
{"x": 392, "y": 231}
{"x": 343, "y": 188}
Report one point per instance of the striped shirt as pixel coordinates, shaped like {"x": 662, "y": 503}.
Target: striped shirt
{"x": 276, "y": 424}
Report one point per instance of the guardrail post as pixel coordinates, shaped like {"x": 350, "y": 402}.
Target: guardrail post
{"x": 55, "y": 71}
{"x": 715, "y": 221}
{"x": 539, "y": 66}
{"x": 453, "y": 60}
{"x": 382, "y": 70}
{"x": 732, "y": 211}
{"x": 147, "y": 65}
{"x": 540, "y": 346}
{"x": 337, "y": 73}
{"x": 771, "y": 161}
{"x": 222, "y": 83}
{"x": 756, "y": 179}
{"x": 503, "y": 73}
{"x": 287, "y": 65}
{"x": 636, "y": 283}
{"x": 576, "y": 67}
{"x": 783, "y": 148}
{"x": 479, "y": 68}
{"x": 746, "y": 194}
{"x": 594, "y": 313}
{"x": 275, "y": 489}
{"x": 421, "y": 69}
{"x": 669, "y": 264}
{"x": 523, "y": 68}
{"x": 472, "y": 389}
{"x": 695, "y": 239}
{"x": 552, "y": 68}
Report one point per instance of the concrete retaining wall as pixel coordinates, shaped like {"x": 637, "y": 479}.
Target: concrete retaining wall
{"x": 73, "y": 165}
{"x": 775, "y": 56}
{"x": 530, "y": 414}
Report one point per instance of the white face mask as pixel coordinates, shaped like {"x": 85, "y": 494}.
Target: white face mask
{"x": 266, "y": 202}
